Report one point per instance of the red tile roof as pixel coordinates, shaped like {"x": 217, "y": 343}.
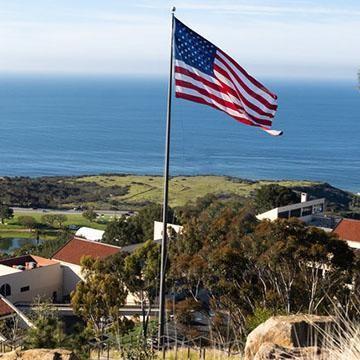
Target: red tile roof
{"x": 76, "y": 248}
{"x": 348, "y": 229}
{"x": 5, "y": 309}
{"x": 22, "y": 260}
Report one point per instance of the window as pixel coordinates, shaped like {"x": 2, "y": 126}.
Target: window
{"x": 25, "y": 288}
{"x": 5, "y": 290}
{"x": 307, "y": 211}
{"x": 318, "y": 208}
{"x": 283, "y": 215}
{"x": 295, "y": 212}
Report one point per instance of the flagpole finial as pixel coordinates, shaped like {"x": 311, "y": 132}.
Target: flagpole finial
{"x": 173, "y": 10}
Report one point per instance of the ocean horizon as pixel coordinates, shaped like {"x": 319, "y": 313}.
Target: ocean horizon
{"x": 78, "y": 125}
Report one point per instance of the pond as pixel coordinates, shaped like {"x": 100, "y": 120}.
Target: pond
{"x": 8, "y": 245}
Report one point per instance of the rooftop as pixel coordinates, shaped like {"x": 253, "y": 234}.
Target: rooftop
{"x": 76, "y": 248}
{"x": 23, "y": 263}
{"x": 5, "y": 309}
{"x": 90, "y": 233}
{"x": 301, "y": 204}
{"x": 348, "y": 229}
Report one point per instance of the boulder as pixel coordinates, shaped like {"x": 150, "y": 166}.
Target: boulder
{"x": 289, "y": 332}
{"x": 39, "y": 354}
{"x": 268, "y": 351}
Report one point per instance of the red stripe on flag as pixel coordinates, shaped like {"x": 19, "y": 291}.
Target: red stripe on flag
{"x": 244, "y": 87}
{"x": 248, "y": 76}
{"x": 249, "y": 104}
{"x": 203, "y": 101}
{"x": 181, "y": 70}
{"x": 221, "y": 101}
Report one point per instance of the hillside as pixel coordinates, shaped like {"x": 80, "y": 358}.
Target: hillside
{"x": 116, "y": 191}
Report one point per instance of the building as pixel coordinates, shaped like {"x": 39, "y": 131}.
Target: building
{"x": 25, "y": 277}
{"x": 90, "y": 234}
{"x": 69, "y": 256}
{"x": 304, "y": 210}
{"x": 9, "y": 312}
{"x": 158, "y": 229}
{"x": 349, "y": 231}
{"x": 6, "y": 311}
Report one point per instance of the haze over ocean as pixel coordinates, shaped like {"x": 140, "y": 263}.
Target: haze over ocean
{"x": 81, "y": 125}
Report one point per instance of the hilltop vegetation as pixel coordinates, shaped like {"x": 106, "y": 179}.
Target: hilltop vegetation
{"x": 227, "y": 271}
{"x": 134, "y": 191}
{"x": 53, "y": 192}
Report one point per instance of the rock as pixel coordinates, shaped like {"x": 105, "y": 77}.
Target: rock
{"x": 39, "y": 354}
{"x": 289, "y": 332}
{"x": 268, "y": 351}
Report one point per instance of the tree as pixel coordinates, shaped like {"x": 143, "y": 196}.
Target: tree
{"x": 48, "y": 248}
{"x": 27, "y": 221}
{"x": 192, "y": 210}
{"x": 135, "y": 229}
{"x": 305, "y": 267}
{"x": 207, "y": 255}
{"x": 271, "y": 196}
{"x": 145, "y": 218}
{"x": 90, "y": 215}
{"x": 122, "y": 231}
{"x": 12, "y": 329}
{"x": 5, "y": 212}
{"x": 60, "y": 219}
{"x": 184, "y": 313}
{"x": 54, "y": 220}
{"x": 49, "y": 219}
{"x": 142, "y": 278}
{"x": 99, "y": 297}
{"x": 282, "y": 266}
{"x": 48, "y": 331}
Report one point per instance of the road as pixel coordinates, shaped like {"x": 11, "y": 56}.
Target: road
{"x": 69, "y": 212}
{"x": 66, "y": 309}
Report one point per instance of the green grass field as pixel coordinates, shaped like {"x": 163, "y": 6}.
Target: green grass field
{"x": 72, "y": 219}
{"x": 182, "y": 189}
{"x": 12, "y": 229}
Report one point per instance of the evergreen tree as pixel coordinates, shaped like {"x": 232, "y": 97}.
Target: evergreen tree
{"x": 271, "y": 196}
{"x": 48, "y": 331}
{"x": 5, "y": 212}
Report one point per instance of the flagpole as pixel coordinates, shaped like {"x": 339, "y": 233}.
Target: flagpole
{"x": 162, "y": 315}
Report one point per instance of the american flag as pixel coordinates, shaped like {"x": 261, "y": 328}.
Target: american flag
{"x": 207, "y": 75}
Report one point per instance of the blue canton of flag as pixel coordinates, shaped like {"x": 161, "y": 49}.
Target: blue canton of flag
{"x": 205, "y": 74}
{"x": 193, "y": 49}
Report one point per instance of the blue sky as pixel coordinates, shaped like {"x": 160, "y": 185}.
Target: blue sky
{"x": 270, "y": 38}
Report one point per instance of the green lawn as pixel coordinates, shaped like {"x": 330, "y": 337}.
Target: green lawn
{"x": 182, "y": 189}
{"x": 12, "y": 229}
{"x": 26, "y": 235}
{"x": 72, "y": 219}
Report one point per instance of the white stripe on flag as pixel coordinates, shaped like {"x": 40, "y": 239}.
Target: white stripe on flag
{"x": 246, "y": 81}
{"x": 230, "y": 78}
{"x": 224, "y": 95}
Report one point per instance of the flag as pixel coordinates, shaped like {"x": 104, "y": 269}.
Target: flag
{"x": 207, "y": 75}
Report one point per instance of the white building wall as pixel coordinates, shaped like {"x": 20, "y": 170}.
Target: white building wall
{"x": 71, "y": 276}
{"x": 273, "y": 214}
{"x": 270, "y": 215}
{"x": 353, "y": 244}
{"x": 42, "y": 281}
{"x": 158, "y": 229}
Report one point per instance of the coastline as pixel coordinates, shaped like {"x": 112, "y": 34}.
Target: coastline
{"x": 127, "y": 191}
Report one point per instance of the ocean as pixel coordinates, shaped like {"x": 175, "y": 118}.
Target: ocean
{"x": 90, "y": 125}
